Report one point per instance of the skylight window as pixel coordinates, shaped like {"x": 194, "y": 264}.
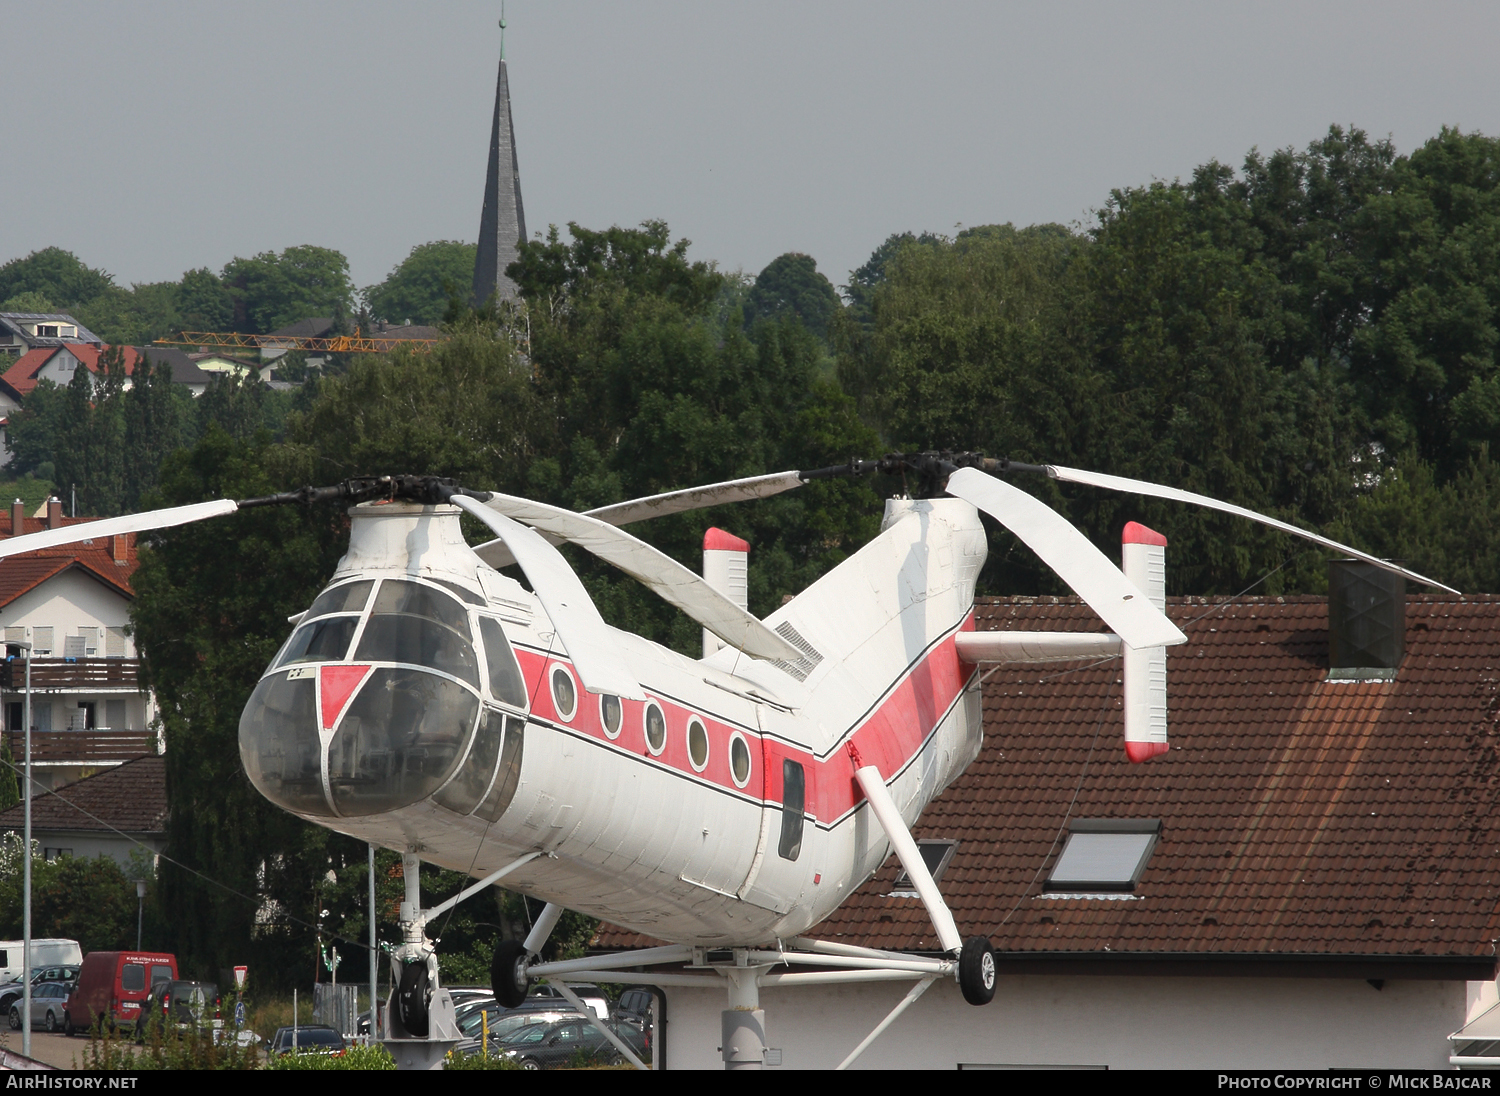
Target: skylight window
{"x": 936, "y": 854}
{"x": 1104, "y": 855}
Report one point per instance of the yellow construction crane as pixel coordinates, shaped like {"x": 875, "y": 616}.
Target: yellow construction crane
{"x": 346, "y": 344}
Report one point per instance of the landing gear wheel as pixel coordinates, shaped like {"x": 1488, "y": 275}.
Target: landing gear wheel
{"x": 508, "y": 979}
{"x": 413, "y": 997}
{"x": 976, "y": 971}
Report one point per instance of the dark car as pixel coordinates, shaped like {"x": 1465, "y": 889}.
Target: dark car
{"x": 545, "y": 1046}
{"x": 10, "y": 992}
{"x": 504, "y": 1023}
{"x": 186, "y": 1004}
{"x": 310, "y": 1038}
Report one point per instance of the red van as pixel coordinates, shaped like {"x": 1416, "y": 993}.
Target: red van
{"x": 113, "y": 984}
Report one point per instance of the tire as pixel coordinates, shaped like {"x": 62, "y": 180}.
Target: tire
{"x": 530, "y": 1063}
{"x": 52, "y": 1021}
{"x": 413, "y": 998}
{"x": 15, "y": 1018}
{"x": 976, "y": 971}
{"x": 508, "y": 979}
{"x": 68, "y": 1029}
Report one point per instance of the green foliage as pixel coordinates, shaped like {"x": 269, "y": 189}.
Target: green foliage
{"x": 271, "y": 291}
{"x": 792, "y": 286}
{"x": 91, "y": 901}
{"x": 35, "y": 427}
{"x": 166, "y": 1046}
{"x": 204, "y": 303}
{"x": 454, "y": 1060}
{"x": 420, "y": 288}
{"x": 356, "y": 1057}
{"x": 55, "y": 275}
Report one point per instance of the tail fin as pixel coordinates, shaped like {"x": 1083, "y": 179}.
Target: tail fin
{"x": 1144, "y": 556}
{"x": 726, "y": 561}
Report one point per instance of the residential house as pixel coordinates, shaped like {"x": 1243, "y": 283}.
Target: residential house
{"x": 71, "y": 603}
{"x": 1308, "y": 878}
{"x": 23, "y": 331}
{"x": 120, "y": 813}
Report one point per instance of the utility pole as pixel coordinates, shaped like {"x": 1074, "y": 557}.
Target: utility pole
{"x": 26, "y": 860}
{"x": 374, "y": 960}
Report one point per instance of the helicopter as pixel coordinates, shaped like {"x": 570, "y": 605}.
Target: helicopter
{"x": 429, "y": 703}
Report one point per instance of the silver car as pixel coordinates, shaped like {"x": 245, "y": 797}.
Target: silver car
{"x": 48, "y": 1004}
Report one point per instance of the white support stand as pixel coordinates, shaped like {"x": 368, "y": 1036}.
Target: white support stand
{"x": 890, "y": 1018}
{"x": 426, "y": 1050}
{"x": 593, "y": 1017}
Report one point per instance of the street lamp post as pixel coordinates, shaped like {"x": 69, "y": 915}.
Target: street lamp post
{"x": 12, "y": 649}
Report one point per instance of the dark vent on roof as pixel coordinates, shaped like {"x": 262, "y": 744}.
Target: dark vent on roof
{"x": 936, "y": 852}
{"x": 1366, "y": 621}
{"x": 810, "y": 656}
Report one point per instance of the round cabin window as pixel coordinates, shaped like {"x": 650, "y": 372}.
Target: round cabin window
{"x": 697, "y": 742}
{"x": 564, "y": 693}
{"x": 611, "y": 715}
{"x": 656, "y": 729}
{"x": 739, "y": 760}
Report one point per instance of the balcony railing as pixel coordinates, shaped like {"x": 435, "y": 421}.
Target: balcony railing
{"x": 83, "y": 747}
{"x": 80, "y": 674}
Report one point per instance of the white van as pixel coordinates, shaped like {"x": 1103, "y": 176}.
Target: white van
{"x": 44, "y": 953}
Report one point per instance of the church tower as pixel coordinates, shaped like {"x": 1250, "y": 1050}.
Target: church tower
{"x": 503, "y": 223}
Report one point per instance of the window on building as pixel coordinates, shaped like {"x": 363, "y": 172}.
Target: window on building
{"x": 936, "y": 854}
{"x": 114, "y": 715}
{"x": 1104, "y": 855}
{"x": 72, "y": 646}
{"x": 114, "y": 643}
{"x": 15, "y": 712}
{"x": 41, "y": 641}
{"x": 50, "y": 854}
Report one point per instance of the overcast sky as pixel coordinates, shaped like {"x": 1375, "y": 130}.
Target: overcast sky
{"x": 154, "y": 137}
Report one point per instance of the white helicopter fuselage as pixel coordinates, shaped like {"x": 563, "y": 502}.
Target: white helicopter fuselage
{"x": 426, "y": 705}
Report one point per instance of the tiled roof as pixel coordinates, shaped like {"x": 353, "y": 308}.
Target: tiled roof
{"x": 21, "y": 378}
{"x": 311, "y": 328}
{"x": 12, "y": 321}
{"x": 131, "y": 797}
{"x": 1300, "y": 817}
{"x": 24, "y": 572}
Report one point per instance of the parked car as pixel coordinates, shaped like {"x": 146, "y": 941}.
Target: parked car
{"x": 544, "y": 1046}
{"x": 10, "y": 992}
{"x": 590, "y": 995}
{"x": 309, "y": 1039}
{"x": 49, "y": 1002}
{"x": 505, "y": 1023}
{"x": 113, "y": 985}
{"x": 46, "y": 952}
{"x": 188, "y": 1005}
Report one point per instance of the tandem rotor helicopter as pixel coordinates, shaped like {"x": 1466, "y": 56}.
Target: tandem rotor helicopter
{"x": 430, "y": 704}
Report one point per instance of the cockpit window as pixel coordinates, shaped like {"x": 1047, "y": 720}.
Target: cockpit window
{"x": 505, "y": 674}
{"x": 325, "y": 640}
{"x": 467, "y": 595}
{"x": 398, "y": 637}
{"x": 348, "y": 598}
{"x": 408, "y": 598}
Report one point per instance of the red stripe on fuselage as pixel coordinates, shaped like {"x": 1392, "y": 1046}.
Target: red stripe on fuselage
{"x": 889, "y": 735}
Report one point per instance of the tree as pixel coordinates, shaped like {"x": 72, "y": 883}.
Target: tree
{"x": 791, "y": 285}
{"x": 203, "y": 302}
{"x": 211, "y": 610}
{"x": 419, "y": 288}
{"x": 153, "y": 428}
{"x": 55, "y": 274}
{"x": 271, "y": 291}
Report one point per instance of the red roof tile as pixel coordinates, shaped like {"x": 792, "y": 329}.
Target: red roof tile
{"x": 131, "y": 797}
{"x": 1300, "y": 816}
{"x": 24, "y": 572}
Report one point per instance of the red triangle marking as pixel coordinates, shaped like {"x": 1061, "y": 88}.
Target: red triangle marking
{"x": 338, "y": 685}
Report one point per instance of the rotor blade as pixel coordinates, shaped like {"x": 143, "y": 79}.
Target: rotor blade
{"x": 1128, "y": 612}
{"x": 587, "y": 638}
{"x": 130, "y": 523}
{"x": 673, "y": 502}
{"x": 1175, "y": 494}
{"x": 696, "y": 498}
{"x": 673, "y": 582}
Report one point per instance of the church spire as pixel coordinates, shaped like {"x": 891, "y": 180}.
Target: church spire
{"x": 502, "y": 225}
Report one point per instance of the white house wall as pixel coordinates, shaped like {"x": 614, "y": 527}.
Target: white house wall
{"x": 1118, "y": 1022}
{"x": 66, "y": 603}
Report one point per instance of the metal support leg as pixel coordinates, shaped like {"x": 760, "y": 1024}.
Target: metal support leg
{"x": 906, "y": 1002}
{"x": 889, "y": 817}
{"x": 743, "y": 1023}
{"x": 593, "y": 1018}
{"x": 545, "y": 923}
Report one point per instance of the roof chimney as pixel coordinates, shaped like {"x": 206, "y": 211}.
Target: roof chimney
{"x": 17, "y": 518}
{"x": 1366, "y": 621}
{"x": 54, "y": 513}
